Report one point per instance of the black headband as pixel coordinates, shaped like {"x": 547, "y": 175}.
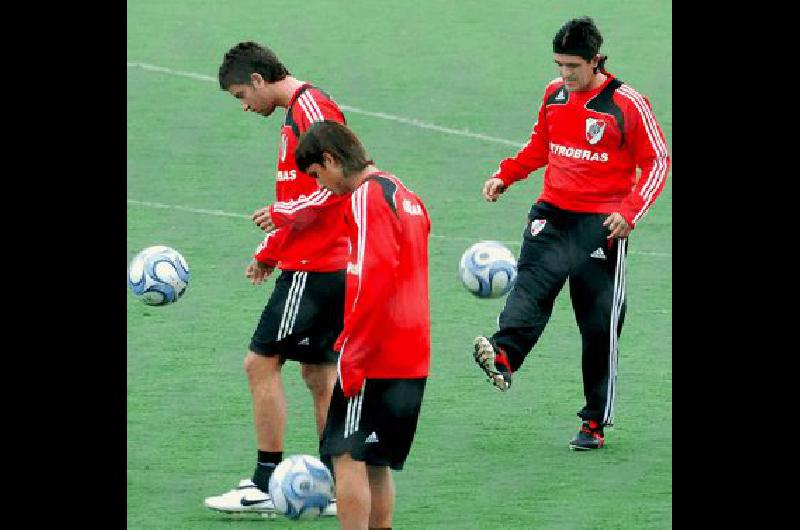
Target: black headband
{"x": 585, "y": 53}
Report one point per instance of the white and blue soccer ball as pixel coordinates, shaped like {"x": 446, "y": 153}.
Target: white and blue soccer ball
{"x": 301, "y": 487}
{"x": 488, "y": 269}
{"x": 158, "y": 275}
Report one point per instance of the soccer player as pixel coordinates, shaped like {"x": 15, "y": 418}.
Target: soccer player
{"x": 592, "y": 132}
{"x": 385, "y": 345}
{"x": 304, "y": 314}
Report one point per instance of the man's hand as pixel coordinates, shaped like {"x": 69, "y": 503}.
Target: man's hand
{"x": 352, "y": 382}
{"x": 493, "y": 188}
{"x": 617, "y": 225}
{"x": 257, "y": 272}
{"x": 263, "y": 220}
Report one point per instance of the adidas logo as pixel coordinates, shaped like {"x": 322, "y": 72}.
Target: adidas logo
{"x": 598, "y": 253}
{"x": 560, "y": 96}
{"x": 304, "y": 342}
{"x": 372, "y": 438}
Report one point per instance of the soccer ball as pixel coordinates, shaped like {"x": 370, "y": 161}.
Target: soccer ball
{"x": 488, "y": 269}
{"x": 158, "y": 275}
{"x": 301, "y": 487}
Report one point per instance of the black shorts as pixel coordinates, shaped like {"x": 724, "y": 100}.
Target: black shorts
{"x": 303, "y": 317}
{"x": 376, "y": 426}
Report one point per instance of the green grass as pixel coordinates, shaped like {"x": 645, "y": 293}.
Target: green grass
{"x": 481, "y": 459}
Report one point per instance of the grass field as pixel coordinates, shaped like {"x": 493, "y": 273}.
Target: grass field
{"x": 197, "y": 166}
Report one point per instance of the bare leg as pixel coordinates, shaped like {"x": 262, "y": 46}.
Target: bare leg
{"x": 381, "y": 487}
{"x": 352, "y": 493}
{"x": 320, "y": 379}
{"x": 269, "y": 400}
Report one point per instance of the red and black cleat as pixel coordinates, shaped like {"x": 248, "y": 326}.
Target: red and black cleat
{"x": 590, "y": 436}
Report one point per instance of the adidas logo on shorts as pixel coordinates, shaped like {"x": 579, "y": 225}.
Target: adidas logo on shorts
{"x": 598, "y": 253}
{"x": 372, "y": 438}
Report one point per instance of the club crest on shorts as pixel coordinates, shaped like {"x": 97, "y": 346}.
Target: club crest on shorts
{"x": 537, "y": 225}
{"x": 594, "y": 130}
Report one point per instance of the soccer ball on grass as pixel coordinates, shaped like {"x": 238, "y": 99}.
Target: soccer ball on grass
{"x": 301, "y": 487}
{"x": 158, "y": 275}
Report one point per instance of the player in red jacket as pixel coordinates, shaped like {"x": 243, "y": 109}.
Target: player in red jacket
{"x": 385, "y": 344}
{"x": 592, "y": 132}
{"x": 300, "y": 321}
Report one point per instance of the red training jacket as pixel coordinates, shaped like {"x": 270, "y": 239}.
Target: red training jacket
{"x": 319, "y": 242}
{"x": 592, "y": 143}
{"x": 387, "y": 325}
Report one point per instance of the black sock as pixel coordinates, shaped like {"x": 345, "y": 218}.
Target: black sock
{"x": 328, "y": 461}
{"x": 267, "y": 462}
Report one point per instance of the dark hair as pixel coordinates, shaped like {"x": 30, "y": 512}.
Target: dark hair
{"x": 247, "y": 58}
{"x": 335, "y": 139}
{"x": 580, "y": 37}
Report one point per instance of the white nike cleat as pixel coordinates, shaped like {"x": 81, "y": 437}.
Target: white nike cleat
{"x": 247, "y": 498}
{"x": 330, "y": 509}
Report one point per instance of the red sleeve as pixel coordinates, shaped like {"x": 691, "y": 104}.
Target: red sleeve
{"x": 531, "y": 157}
{"x": 377, "y": 254}
{"x": 305, "y": 209}
{"x": 268, "y": 251}
{"x": 650, "y": 152}
{"x": 309, "y": 109}
{"x": 330, "y": 111}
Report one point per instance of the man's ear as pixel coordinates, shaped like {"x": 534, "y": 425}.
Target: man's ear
{"x": 328, "y": 160}
{"x": 256, "y": 79}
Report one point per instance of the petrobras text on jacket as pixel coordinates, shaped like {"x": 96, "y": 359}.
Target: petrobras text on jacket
{"x": 581, "y": 154}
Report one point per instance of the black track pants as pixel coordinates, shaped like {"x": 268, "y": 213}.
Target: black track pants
{"x": 559, "y": 245}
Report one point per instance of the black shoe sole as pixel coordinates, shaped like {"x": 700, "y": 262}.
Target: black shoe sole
{"x": 582, "y": 448}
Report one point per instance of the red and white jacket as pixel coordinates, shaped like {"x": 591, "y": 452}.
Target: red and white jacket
{"x": 318, "y": 243}
{"x": 387, "y": 326}
{"x": 592, "y": 143}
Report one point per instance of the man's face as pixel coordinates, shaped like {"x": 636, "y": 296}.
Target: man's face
{"x": 577, "y": 72}
{"x": 329, "y": 174}
{"x": 256, "y": 97}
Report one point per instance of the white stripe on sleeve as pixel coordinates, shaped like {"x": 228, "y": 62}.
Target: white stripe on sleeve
{"x": 313, "y": 107}
{"x": 316, "y": 198}
{"x": 659, "y": 169}
{"x": 303, "y": 105}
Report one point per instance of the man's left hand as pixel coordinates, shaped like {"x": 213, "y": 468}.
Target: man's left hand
{"x": 257, "y": 271}
{"x": 352, "y": 383}
{"x": 263, "y": 220}
{"x": 617, "y": 225}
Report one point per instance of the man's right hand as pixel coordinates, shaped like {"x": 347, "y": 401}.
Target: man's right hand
{"x": 493, "y": 188}
{"x": 257, "y": 272}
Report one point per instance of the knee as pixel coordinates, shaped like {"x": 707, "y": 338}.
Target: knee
{"x": 258, "y": 367}
{"x": 318, "y": 379}
{"x": 595, "y": 326}
{"x": 250, "y": 363}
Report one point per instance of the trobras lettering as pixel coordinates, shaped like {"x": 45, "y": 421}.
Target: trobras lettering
{"x": 580, "y": 154}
